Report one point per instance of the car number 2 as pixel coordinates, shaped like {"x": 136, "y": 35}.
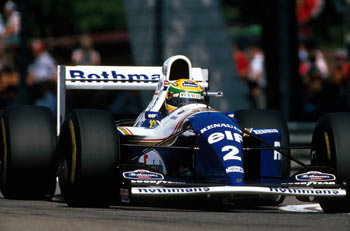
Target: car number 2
{"x": 232, "y": 154}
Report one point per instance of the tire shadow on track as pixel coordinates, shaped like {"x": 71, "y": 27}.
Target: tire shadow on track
{"x": 200, "y": 205}
{"x": 195, "y": 204}
{"x": 183, "y": 204}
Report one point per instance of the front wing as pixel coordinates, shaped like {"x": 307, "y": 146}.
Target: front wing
{"x": 238, "y": 190}
{"x": 145, "y": 184}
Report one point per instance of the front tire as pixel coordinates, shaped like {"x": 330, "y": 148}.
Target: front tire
{"x": 88, "y": 148}
{"x": 28, "y": 153}
{"x": 331, "y": 139}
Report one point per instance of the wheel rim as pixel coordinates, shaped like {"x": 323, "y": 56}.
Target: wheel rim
{"x": 73, "y": 151}
{"x": 328, "y": 147}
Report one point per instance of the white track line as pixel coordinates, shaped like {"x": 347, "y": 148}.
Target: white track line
{"x": 303, "y": 208}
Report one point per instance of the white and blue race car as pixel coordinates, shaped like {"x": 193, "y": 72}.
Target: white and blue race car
{"x": 169, "y": 151}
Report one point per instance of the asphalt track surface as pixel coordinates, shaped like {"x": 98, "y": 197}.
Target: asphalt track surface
{"x": 17, "y": 215}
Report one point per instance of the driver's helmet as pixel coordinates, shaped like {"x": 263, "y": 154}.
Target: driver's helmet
{"x": 183, "y": 92}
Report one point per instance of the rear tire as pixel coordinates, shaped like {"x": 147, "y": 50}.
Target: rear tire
{"x": 267, "y": 118}
{"x": 331, "y": 139}
{"x": 88, "y": 148}
{"x": 28, "y": 153}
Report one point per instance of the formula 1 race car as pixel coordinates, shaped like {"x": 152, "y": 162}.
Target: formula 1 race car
{"x": 178, "y": 147}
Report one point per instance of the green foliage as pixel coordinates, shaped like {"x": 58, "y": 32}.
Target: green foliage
{"x": 242, "y": 12}
{"x": 97, "y": 15}
{"x": 60, "y": 17}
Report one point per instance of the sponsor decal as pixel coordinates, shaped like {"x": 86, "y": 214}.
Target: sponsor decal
{"x": 264, "y": 131}
{"x": 173, "y": 117}
{"x": 304, "y": 191}
{"x": 310, "y": 183}
{"x": 277, "y": 155}
{"x": 315, "y": 176}
{"x": 234, "y": 169}
{"x": 239, "y": 190}
{"x": 172, "y": 190}
{"x": 153, "y": 123}
{"x": 152, "y": 115}
{"x": 153, "y": 160}
{"x": 219, "y": 125}
{"x": 114, "y": 75}
{"x": 142, "y": 174}
{"x": 189, "y": 83}
{"x": 230, "y": 154}
{"x": 156, "y": 182}
{"x": 225, "y": 139}
{"x": 187, "y": 95}
{"x": 218, "y": 136}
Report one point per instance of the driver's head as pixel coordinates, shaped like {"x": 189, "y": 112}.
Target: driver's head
{"x": 183, "y": 92}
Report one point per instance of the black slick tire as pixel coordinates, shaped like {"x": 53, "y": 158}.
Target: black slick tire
{"x": 28, "y": 166}
{"x": 331, "y": 139}
{"x": 88, "y": 153}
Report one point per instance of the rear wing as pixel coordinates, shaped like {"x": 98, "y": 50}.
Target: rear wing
{"x": 111, "y": 78}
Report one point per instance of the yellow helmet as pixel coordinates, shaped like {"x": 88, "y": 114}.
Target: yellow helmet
{"x": 183, "y": 92}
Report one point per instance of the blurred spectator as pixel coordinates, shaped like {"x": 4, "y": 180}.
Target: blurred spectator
{"x": 44, "y": 67}
{"x": 341, "y": 77}
{"x": 256, "y": 78}
{"x": 10, "y": 33}
{"x": 120, "y": 103}
{"x": 241, "y": 62}
{"x": 304, "y": 63}
{"x": 314, "y": 87}
{"x": 42, "y": 77}
{"x": 8, "y": 87}
{"x": 321, "y": 64}
{"x": 86, "y": 55}
{"x": 341, "y": 70}
{"x": 2, "y": 26}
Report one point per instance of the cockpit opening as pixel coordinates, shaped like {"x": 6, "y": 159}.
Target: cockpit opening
{"x": 179, "y": 70}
